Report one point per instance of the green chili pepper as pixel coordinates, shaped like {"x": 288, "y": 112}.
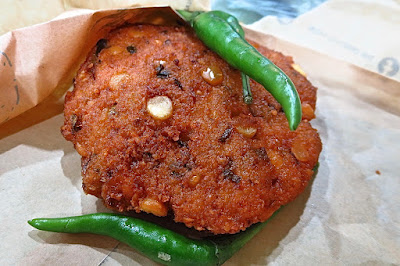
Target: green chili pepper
{"x": 159, "y": 244}
{"x": 234, "y": 23}
{"x": 226, "y": 40}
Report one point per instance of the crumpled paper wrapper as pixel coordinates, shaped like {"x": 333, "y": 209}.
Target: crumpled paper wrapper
{"x": 348, "y": 215}
{"x": 40, "y": 60}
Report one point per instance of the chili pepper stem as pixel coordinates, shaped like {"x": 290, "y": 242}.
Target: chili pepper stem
{"x": 188, "y": 15}
{"x": 247, "y": 96}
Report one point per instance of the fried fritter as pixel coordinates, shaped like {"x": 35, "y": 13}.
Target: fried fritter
{"x": 211, "y": 161}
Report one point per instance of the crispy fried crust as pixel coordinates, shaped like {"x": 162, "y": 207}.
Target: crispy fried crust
{"x": 198, "y": 164}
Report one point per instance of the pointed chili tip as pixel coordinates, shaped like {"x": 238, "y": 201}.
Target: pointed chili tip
{"x": 294, "y": 122}
{"x": 38, "y": 223}
{"x": 32, "y": 222}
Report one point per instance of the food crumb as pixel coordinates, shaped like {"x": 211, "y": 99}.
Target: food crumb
{"x": 377, "y": 172}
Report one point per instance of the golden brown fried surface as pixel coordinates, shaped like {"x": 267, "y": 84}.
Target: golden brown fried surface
{"x": 215, "y": 163}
